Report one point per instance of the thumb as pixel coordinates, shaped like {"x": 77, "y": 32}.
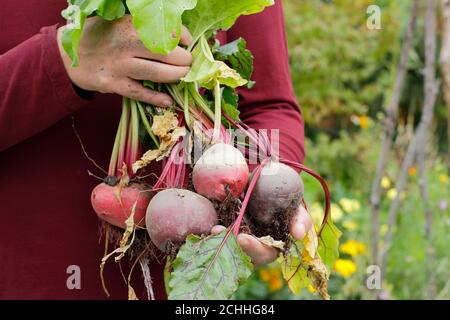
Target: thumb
{"x": 301, "y": 223}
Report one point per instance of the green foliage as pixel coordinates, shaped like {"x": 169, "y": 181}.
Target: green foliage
{"x": 76, "y": 14}
{"x": 207, "y": 71}
{"x": 237, "y": 55}
{"x": 329, "y": 243}
{"x": 158, "y": 22}
{"x": 209, "y": 16}
{"x": 338, "y": 66}
{"x": 208, "y": 268}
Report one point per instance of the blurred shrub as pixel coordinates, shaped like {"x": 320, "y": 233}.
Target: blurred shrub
{"x": 338, "y": 66}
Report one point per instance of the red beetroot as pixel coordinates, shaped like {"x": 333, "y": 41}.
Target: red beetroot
{"x": 114, "y": 204}
{"x": 278, "y": 188}
{"x": 173, "y": 214}
{"x": 220, "y": 169}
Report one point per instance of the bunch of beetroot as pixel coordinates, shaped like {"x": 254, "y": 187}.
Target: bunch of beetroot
{"x": 185, "y": 198}
{"x": 192, "y": 193}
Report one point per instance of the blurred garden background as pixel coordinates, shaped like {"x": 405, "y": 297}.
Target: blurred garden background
{"x": 344, "y": 75}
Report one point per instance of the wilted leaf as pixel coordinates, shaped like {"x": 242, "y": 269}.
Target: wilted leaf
{"x": 318, "y": 274}
{"x": 271, "y": 242}
{"x": 166, "y": 128}
{"x": 294, "y": 273}
{"x": 164, "y": 124}
{"x": 310, "y": 245}
{"x": 304, "y": 265}
{"x": 131, "y": 293}
{"x": 208, "y": 268}
{"x": 125, "y": 242}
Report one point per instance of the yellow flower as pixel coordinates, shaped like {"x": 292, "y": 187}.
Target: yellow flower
{"x": 345, "y": 267}
{"x": 383, "y": 229}
{"x": 264, "y": 275}
{"x": 275, "y": 284}
{"x": 412, "y": 171}
{"x": 385, "y": 182}
{"x": 350, "y": 225}
{"x": 336, "y": 212}
{"x": 444, "y": 178}
{"x": 311, "y": 289}
{"x": 349, "y": 205}
{"x": 363, "y": 122}
{"x": 392, "y": 193}
{"x": 272, "y": 276}
{"x": 353, "y": 248}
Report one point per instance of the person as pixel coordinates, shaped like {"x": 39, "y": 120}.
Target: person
{"x": 49, "y": 229}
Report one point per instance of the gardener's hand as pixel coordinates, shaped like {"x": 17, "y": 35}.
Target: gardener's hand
{"x": 112, "y": 59}
{"x": 261, "y": 253}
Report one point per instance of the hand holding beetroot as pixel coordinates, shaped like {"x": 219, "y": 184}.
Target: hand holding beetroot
{"x": 112, "y": 59}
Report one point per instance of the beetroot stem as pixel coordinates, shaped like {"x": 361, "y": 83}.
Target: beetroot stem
{"x": 115, "y": 151}
{"x": 243, "y": 127}
{"x": 256, "y": 173}
{"x": 217, "y": 112}
{"x": 134, "y": 133}
{"x": 146, "y": 123}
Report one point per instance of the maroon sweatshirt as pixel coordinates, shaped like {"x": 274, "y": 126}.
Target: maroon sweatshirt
{"x": 46, "y": 220}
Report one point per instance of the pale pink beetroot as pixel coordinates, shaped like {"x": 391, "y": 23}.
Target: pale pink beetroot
{"x": 221, "y": 169}
{"x": 114, "y": 204}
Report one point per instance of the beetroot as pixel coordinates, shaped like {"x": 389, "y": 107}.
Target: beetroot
{"x": 114, "y": 204}
{"x": 175, "y": 213}
{"x": 278, "y": 188}
{"x": 222, "y": 169}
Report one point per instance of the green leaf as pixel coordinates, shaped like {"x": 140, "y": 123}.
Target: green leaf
{"x": 329, "y": 243}
{"x": 294, "y": 273}
{"x": 158, "y": 22}
{"x": 237, "y": 55}
{"x": 208, "y": 268}
{"x": 71, "y": 36}
{"x": 206, "y": 71}
{"x": 111, "y": 9}
{"x": 230, "y": 105}
{"x": 107, "y": 9}
{"x": 76, "y": 14}
{"x": 212, "y": 15}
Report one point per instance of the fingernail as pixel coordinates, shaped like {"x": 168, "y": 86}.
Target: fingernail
{"x": 242, "y": 240}
{"x": 167, "y": 103}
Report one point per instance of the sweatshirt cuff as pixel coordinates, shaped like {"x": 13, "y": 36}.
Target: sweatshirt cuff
{"x": 64, "y": 89}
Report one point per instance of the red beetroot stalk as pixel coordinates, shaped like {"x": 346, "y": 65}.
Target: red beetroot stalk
{"x": 254, "y": 138}
{"x": 134, "y": 121}
{"x": 237, "y": 224}
{"x": 167, "y": 175}
{"x": 322, "y": 182}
